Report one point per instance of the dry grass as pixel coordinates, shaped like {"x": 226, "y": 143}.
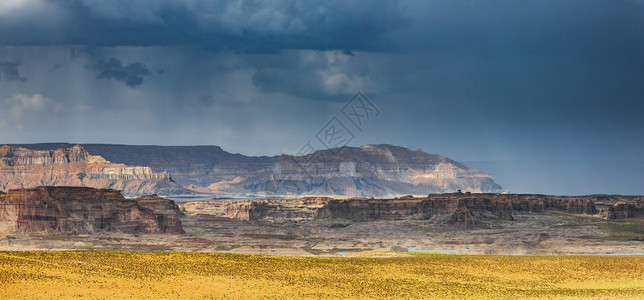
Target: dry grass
{"x": 625, "y": 229}
{"x": 114, "y": 274}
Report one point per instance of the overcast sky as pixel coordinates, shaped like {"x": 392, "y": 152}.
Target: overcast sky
{"x": 546, "y": 95}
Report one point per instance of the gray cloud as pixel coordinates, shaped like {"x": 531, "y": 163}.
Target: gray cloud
{"x": 593, "y": 28}
{"x": 132, "y": 75}
{"x": 247, "y": 25}
{"x": 315, "y": 75}
{"x": 78, "y": 52}
{"x": 9, "y": 71}
{"x": 500, "y": 80}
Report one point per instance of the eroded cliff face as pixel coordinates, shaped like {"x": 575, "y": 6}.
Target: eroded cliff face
{"x": 371, "y": 170}
{"x": 24, "y": 168}
{"x": 367, "y": 171}
{"x": 623, "y": 210}
{"x": 462, "y": 210}
{"x": 76, "y": 210}
{"x": 452, "y": 212}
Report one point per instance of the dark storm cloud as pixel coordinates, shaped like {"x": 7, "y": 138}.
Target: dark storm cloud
{"x": 315, "y": 75}
{"x": 291, "y": 74}
{"x": 9, "y": 71}
{"x": 132, "y": 75}
{"x": 591, "y": 28}
{"x": 78, "y": 52}
{"x": 499, "y": 80}
{"x": 247, "y": 25}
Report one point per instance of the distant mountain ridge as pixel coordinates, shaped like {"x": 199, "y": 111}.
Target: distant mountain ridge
{"x": 368, "y": 171}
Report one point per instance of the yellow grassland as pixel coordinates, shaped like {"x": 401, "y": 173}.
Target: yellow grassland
{"x": 116, "y": 274}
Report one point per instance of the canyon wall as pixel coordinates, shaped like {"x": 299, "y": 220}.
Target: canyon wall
{"x": 78, "y": 210}
{"x": 75, "y": 166}
{"x": 463, "y": 210}
{"x": 464, "y": 213}
{"x": 368, "y": 171}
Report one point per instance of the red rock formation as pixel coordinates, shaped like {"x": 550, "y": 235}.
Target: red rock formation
{"x": 74, "y": 210}
{"x": 24, "y": 168}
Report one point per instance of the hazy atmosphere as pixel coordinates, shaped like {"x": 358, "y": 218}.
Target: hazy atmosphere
{"x": 327, "y": 149}
{"x": 545, "y": 95}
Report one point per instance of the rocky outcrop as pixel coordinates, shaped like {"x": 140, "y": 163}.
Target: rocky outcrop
{"x": 447, "y": 211}
{"x": 25, "y": 168}
{"x": 623, "y": 210}
{"x": 367, "y": 171}
{"x": 452, "y": 212}
{"x": 539, "y": 203}
{"x": 268, "y": 210}
{"x": 76, "y": 210}
{"x": 372, "y": 170}
{"x": 463, "y": 210}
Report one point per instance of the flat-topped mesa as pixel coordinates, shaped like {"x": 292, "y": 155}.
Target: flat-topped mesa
{"x": 532, "y": 202}
{"x": 463, "y": 210}
{"x": 74, "y": 166}
{"x": 74, "y": 210}
{"x": 16, "y": 156}
{"x": 371, "y": 170}
{"x": 450, "y": 212}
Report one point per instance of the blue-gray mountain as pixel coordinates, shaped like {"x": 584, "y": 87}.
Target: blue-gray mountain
{"x": 368, "y": 171}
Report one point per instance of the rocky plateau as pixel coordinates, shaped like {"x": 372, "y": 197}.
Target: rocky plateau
{"x": 75, "y": 166}
{"x": 368, "y": 171}
{"x": 464, "y": 210}
{"x": 61, "y": 218}
{"x": 78, "y": 210}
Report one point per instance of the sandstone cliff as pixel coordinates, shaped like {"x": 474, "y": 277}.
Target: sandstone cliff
{"x": 623, "y": 210}
{"x": 75, "y": 210}
{"x": 372, "y": 170}
{"x": 452, "y": 209}
{"x": 465, "y": 213}
{"x": 25, "y": 168}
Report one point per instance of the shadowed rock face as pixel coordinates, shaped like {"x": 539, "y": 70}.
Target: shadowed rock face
{"x": 74, "y": 210}
{"x": 454, "y": 209}
{"x": 367, "y": 171}
{"x": 25, "y": 168}
{"x": 623, "y": 210}
{"x": 448, "y": 211}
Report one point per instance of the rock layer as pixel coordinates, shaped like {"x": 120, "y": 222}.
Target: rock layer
{"x": 453, "y": 209}
{"x": 25, "y": 168}
{"x": 367, "y": 171}
{"x": 75, "y": 210}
